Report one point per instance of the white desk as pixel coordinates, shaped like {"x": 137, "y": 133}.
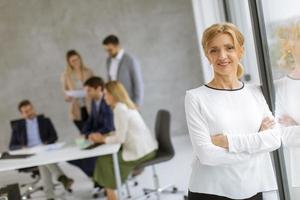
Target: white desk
{"x": 66, "y": 154}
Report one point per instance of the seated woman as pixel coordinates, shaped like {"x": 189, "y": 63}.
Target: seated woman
{"x": 138, "y": 144}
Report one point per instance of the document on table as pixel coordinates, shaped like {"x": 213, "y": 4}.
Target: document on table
{"x": 38, "y": 149}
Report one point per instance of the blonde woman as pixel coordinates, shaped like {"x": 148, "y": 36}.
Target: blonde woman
{"x": 138, "y": 144}
{"x": 287, "y": 90}
{"x": 72, "y": 80}
{"x": 230, "y": 126}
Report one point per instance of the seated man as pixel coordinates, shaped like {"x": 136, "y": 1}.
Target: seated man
{"x": 35, "y": 130}
{"x": 100, "y": 121}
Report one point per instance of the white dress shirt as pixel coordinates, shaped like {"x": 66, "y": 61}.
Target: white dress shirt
{"x": 114, "y": 65}
{"x": 245, "y": 169}
{"x": 132, "y": 132}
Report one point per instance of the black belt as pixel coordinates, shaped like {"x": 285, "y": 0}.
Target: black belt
{"x": 202, "y": 196}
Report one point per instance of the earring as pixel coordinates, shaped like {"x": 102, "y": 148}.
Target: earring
{"x": 289, "y": 56}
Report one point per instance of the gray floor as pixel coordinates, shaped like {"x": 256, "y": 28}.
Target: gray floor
{"x": 176, "y": 172}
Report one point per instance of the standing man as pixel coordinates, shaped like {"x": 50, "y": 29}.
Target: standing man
{"x": 33, "y": 130}
{"x": 123, "y": 67}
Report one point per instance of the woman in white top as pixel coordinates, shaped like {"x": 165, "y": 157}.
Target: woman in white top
{"x": 138, "y": 143}
{"x": 287, "y": 90}
{"x": 231, "y": 127}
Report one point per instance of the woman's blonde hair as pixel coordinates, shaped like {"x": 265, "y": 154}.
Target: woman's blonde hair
{"x": 118, "y": 91}
{"x": 288, "y": 34}
{"x": 69, "y": 68}
{"x": 225, "y": 28}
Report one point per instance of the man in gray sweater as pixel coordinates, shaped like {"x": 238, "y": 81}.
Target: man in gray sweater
{"x": 124, "y": 68}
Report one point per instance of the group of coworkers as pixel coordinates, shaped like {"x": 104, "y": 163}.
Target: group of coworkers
{"x": 108, "y": 113}
{"x": 231, "y": 127}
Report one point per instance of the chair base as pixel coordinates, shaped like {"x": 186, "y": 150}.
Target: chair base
{"x": 158, "y": 190}
{"x": 31, "y": 188}
{"x": 29, "y": 191}
{"x": 170, "y": 189}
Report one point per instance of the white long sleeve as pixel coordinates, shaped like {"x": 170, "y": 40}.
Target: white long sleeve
{"x": 132, "y": 132}
{"x": 290, "y": 136}
{"x": 264, "y": 141}
{"x": 258, "y": 142}
{"x": 121, "y": 121}
{"x": 287, "y": 92}
{"x": 206, "y": 151}
{"x": 237, "y": 114}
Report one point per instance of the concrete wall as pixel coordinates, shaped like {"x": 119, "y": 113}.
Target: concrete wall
{"x": 35, "y": 34}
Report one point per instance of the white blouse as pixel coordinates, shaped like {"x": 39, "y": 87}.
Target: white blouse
{"x": 246, "y": 167}
{"x": 132, "y": 132}
{"x": 287, "y": 102}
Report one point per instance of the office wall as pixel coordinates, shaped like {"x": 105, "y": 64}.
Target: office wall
{"x": 35, "y": 34}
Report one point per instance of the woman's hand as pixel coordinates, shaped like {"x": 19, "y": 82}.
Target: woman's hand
{"x": 97, "y": 138}
{"x": 267, "y": 123}
{"x": 68, "y": 98}
{"x": 287, "y": 120}
{"x": 220, "y": 141}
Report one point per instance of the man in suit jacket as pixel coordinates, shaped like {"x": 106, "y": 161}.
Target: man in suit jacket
{"x": 123, "y": 67}
{"x": 19, "y": 138}
{"x": 100, "y": 121}
{"x": 33, "y": 130}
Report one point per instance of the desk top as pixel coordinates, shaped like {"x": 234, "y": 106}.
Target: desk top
{"x": 59, "y": 155}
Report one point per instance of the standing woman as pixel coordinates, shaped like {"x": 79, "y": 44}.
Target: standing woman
{"x": 74, "y": 76}
{"x": 287, "y": 90}
{"x": 138, "y": 143}
{"x": 230, "y": 126}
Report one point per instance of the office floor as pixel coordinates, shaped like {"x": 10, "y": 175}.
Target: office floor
{"x": 176, "y": 171}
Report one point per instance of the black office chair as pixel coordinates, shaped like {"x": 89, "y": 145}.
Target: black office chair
{"x": 165, "y": 153}
{"x": 10, "y": 192}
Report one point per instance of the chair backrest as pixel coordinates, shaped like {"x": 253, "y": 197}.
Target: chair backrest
{"x": 162, "y": 133}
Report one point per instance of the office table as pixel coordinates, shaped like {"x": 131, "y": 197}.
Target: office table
{"x": 66, "y": 153}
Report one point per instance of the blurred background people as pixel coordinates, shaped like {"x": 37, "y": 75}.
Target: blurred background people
{"x": 99, "y": 121}
{"x": 125, "y": 68}
{"x": 138, "y": 143}
{"x": 33, "y": 130}
{"x": 75, "y": 74}
{"x": 287, "y": 91}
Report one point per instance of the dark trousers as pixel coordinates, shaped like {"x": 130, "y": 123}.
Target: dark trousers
{"x": 201, "y": 196}
{"x": 79, "y": 125}
{"x": 84, "y": 116}
{"x": 87, "y": 165}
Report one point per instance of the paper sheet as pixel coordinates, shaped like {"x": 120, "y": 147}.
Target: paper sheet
{"x": 38, "y": 149}
{"x": 76, "y": 93}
